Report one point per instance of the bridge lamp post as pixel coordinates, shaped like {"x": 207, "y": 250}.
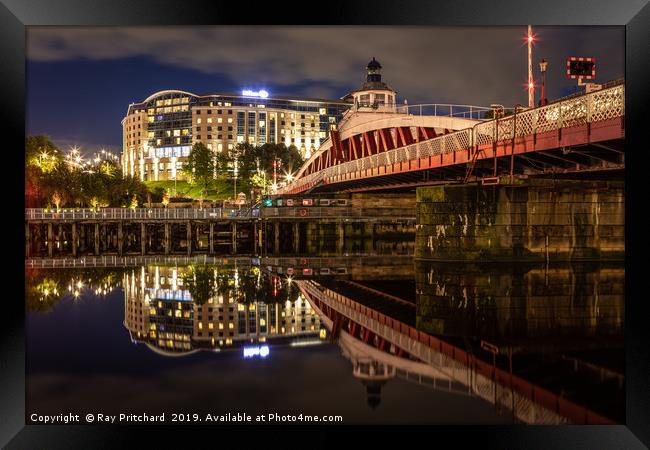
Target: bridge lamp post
{"x": 543, "y": 65}
{"x": 497, "y": 111}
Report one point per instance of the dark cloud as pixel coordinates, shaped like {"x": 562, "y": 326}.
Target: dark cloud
{"x": 425, "y": 64}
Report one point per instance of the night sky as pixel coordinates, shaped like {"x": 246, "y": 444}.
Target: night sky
{"x": 80, "y": 81}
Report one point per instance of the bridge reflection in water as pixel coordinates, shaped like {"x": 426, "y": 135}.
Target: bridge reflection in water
{"x": 542, "y": 344}
{"x": 538, "y": 342}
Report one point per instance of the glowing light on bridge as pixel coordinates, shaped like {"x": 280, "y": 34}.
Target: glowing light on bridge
{"x": 531, "y": 84}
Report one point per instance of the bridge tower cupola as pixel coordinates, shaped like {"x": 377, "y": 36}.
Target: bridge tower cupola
{"x": 374, "y": 94}
{"x": 374, "y": 71}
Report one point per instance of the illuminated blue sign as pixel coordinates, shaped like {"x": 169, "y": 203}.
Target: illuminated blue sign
{"x": 250, "y": 352}
{"x": 249, "y": 93}
{"x": 169, "y": 294}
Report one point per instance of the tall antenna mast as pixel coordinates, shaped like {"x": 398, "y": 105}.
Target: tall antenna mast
{"x": 531, "y": 83}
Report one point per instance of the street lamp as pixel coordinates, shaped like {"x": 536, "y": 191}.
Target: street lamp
{"x": 235, "y": 171}
{"x": 543, "y": 64}
{"x": 497, "y": 111}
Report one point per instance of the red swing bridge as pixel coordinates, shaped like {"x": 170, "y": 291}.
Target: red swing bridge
{"x": 379, "y": 145}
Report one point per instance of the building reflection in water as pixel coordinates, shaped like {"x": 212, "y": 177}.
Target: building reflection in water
{"x": 544, "y": 344}
{"x": 243, "y": 306}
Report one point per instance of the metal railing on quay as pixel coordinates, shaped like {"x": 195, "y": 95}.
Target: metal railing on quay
{"x": 132, "y": 261}
{"x": 139, "y": 213}
{"x": 331, "y": 212}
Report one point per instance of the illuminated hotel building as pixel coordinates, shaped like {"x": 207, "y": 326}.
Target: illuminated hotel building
{"x": 159, "y": 132}
{"x": 160, "y": 312}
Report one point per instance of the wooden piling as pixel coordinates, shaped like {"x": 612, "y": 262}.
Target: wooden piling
{"x": 96, "y": 238}
{"x": 143, "y": 238}
{"x": 234, "y": 238}
{"x": 276, "y": 237}
{"x": 296, "y": 237}
{"x": 167, "y": 238}
{"x": 212, "y": 238}
{"x": 74, "y": 240}
{"x": 120, "y": 238}
{"x": 189, "y": 238}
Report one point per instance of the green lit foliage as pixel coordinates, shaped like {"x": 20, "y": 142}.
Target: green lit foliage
{"x": 200, "y": 166}
{"x": 165, "y": 198}
{"x": 253, "y": 162}
{"x": 51, "y": 177}
{"x": 44, "y": 288}
{"x": 41, "y": 153}
{"x": 200, "y": 283}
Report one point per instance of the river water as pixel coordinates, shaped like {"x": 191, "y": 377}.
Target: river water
{"x": 371, "y": 339}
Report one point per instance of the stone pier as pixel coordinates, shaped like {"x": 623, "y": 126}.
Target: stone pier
{"x": 538, "y": 220}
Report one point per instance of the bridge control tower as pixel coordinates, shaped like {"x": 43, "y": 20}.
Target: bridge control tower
{"x": 374, "y": 94}
{"x": 376, "y": 124}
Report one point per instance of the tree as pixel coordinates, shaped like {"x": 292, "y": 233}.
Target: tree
{"x": 200, "y": 166}
{"x": 254, "y": 161}
{"x": 56, "y": 199}
{"x": 42, "y": 153}
{"x": 41, "y": 157}
{"x": 200, "y": 283}
{"x": 165, "y": 199}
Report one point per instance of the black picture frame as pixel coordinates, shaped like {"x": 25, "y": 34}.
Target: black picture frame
{"x": 634, "y": 15}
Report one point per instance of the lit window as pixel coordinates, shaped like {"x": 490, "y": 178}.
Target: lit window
{"x": 200, "y": 325}
{"x": 219, "y": 120}
{"x": 209, "y": 119}
{"x": 229, "y": 119}
{"x": 211, "y": 326}
{"x": 198, "y": 120}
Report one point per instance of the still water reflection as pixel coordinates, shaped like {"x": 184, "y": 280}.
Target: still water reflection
{"x": 375, "y": 340}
